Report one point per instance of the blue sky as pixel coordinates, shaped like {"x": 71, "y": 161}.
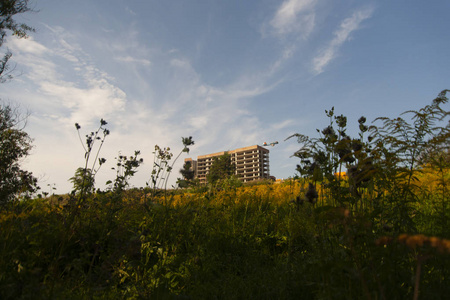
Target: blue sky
{"x": 229, "y": 73}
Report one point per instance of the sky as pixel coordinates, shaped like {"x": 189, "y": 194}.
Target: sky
{"x": 228, "y": 73}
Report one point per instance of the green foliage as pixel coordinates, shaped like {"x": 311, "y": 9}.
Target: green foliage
{"x": 358, "y": 241}
{"x": 125, "y": 168}
{"x": 188, "y": 175}
{"x": 398, "y": 147}
{"x": 8, "y": 10}
{"x": 382, "y": 168}
{"x": 323, "y": 159}
{"x": 83, "y": 181}
{"x": 221, "y": 169}
{"x": 254, "y": 249}
{"x": 15, "y": 144}
{"x": 162, "y": 167}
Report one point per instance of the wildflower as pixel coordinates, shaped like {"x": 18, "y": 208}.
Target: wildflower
{"x": 328, "y": 131}
{"x": 356, "y": 145}
{"x": 416, "y": 240}
{"x": 341, "y": 121}
{"x": 446, "y": 245}
{"x": 384, "y": 240}
{"x": 434, "y": 241}
{"x": 402, "y": 237}
{"x": 346, "y": 213}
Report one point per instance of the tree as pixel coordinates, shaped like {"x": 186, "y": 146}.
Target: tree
{"x": 221, "y": 168}
{"x": 188, "y": 175}
{"x": 8, "y": 9}
{"x": 15, "y": 144}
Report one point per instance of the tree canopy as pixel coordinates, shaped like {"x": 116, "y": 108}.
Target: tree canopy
{"x": 188, "y": 175}
{"x": 8, "y": 9}
{"x": 221, "y": 168}
{"x": 15, "y": 144}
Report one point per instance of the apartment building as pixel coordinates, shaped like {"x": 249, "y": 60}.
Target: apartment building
{"x": 252, "y": 163}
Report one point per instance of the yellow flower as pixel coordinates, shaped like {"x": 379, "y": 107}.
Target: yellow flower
{"x": 446, "y": 245}
{"x": 383, "y": 240}
{"x": 434, "y": 241}
{"x": 402, "y": 237}
{"x": 416, "y": 240}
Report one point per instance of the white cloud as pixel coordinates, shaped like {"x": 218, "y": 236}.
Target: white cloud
{"x": 60, "y": 86}
{"x": 28, "y": 45}
{"x": 285, "y": 55}
{"x": 99, "y": 100}
{"x": 283, "y": 124}
{"x": 198, "y": 122}
{"x": 169, "y": 100}
{"x": 180, "y": 63}
{"x": 85, "y": 97}
{"x": 129, "y": 59}
{"x": 340, "y": 36}
{"x": 294, "y": 16}
{"x": 293, "y": 21}
{"x": 130, "y": 11}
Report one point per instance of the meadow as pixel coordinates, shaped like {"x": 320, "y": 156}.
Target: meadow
{"x": 378, "y": 232}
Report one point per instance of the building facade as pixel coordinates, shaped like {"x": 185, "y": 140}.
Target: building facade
{"x": 252, "y": 163}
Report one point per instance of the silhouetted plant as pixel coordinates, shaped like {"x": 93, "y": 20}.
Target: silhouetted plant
{"x": 382, "y": 170}
{"x": 323, "y": 159}
{"x": 84, "y": 179}
{"x": 161, "y": 159}
{"x": 126, "y": 167}
{"x": 162, "y": 167}
{"x": 399, "y": 146}
{"x": 187, "y": 141}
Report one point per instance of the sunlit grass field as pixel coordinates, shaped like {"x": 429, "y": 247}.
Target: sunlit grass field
{"x": 254, "y": 242}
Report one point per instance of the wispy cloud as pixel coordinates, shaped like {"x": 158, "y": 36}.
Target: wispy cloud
{"x": 169, "y": 100}
{"x": 218, "y": 116}
{"x": 29, "y": 45}
{"x": 294, "y": 16}
{"x": 291, "y": 24}
{"x": 283, "y": 124}
{"x": 129, "y": 59}
{"x": 84, "y": 96}
{"x": 130, "y": 11}
{"x": 62, "y": 86}
{"x": 341, "y": 35}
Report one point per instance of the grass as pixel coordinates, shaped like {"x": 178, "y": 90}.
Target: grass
{"x": 259, "y": 246}
{"x": 381, "y": 232}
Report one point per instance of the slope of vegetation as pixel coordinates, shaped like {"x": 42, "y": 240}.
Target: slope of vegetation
{"x": 379, "y": 232}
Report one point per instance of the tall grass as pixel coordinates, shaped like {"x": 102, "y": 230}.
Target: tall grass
{"x": 378, "y": 233}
